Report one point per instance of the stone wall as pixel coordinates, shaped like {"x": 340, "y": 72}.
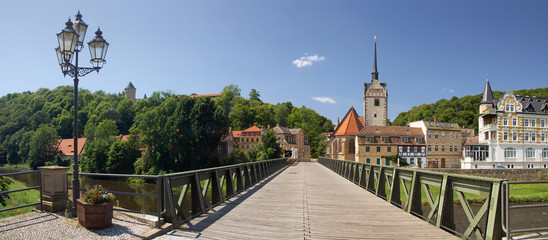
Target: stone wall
{"x": 510, "y": 174}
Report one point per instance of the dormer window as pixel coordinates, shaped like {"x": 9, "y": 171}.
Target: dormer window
{"x": 405, "y": 139}
{"x": 419, "y": 140}
{"x": 385, "y": 139}
{"x": 370, "y": 139}
{"x": 510, "y": 107}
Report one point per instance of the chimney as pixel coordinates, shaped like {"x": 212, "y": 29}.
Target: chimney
{"x": 338, "y": 121}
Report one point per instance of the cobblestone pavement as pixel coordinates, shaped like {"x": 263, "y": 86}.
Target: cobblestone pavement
{"x": 44, "y": 225}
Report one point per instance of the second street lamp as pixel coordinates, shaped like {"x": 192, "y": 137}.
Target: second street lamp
{"x": 71, "y": 42}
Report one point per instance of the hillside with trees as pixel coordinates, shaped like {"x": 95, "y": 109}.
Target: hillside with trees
{"x": 463, "y": 111}
{"x": 176, "y": 133}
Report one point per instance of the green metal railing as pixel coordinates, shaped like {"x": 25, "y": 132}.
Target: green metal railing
{"x": 443, "y": 192}
{"x": 221, "y": 182}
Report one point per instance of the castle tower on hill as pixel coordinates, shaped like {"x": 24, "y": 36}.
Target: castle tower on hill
{"x": 130, "y": 92}
{"x": 375, "y": 98}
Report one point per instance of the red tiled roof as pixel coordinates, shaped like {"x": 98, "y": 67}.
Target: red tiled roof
{"x": 391, "y": 131}
{"x": 66, "y": 148}
{"x": 213, "y": 96}
{"x": 252, "y": 129}
{"x": 237, "y": 134}
{"x": 350, "y": 125}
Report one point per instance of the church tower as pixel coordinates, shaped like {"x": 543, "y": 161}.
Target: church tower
{"x": 375, "y": 98}
{"x": 130, "y": 92}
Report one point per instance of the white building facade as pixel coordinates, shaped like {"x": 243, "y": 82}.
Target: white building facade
{"x": 514, "y": 131}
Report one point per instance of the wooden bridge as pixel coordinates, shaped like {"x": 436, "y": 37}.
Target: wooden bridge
{"x": 307, "y": 201}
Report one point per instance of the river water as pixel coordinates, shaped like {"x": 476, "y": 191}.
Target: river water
{"x": 519, "y": 218}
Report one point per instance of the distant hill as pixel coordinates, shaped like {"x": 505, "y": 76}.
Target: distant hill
{"x": 463, "y": 111}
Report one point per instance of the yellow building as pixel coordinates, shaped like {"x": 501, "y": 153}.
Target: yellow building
{"x": 247, "y": 139}
{"x": 293, "y": 140}
{"x": 444, "y": 143}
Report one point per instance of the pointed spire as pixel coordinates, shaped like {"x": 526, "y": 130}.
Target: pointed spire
{"x": 375, "y": 74}
{"x": 487, "y": 94}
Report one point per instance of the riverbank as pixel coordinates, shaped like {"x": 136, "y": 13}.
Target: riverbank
{"x": 18, "y": 199}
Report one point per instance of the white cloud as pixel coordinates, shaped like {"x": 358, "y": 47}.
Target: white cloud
{"x": 324, "y": 99}
{"x": 450, "y": 90}
{"x": 306, "y": 60}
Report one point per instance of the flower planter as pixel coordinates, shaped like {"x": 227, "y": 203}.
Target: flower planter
{"x": 95, "y": 216}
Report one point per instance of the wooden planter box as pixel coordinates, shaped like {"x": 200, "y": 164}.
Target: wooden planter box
{"x": 95, "y": 216}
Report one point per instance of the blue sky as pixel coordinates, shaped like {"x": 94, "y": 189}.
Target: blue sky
{"x": 312, "y": 53}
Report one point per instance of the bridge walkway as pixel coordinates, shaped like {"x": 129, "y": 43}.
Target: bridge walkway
{"x": 307, "y": 201}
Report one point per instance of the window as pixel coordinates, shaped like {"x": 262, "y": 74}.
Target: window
{"x": 526, "y": 122}
{"x": 526, "y": 137}
{"x": 377, "y": 102}
{"x": 430, "y": 148}
{"x": 405, "y": 139}
{"x": 530, "y": 153}
{"x": 509, "y": 107}
{"x": 375, "y": 115}
{"x": 370, "y": 139}
{"x": 387, "y": 162}
{"x": 368, "y": 160}
{"x": 505, "y": 121}
{"x": 533, "y": 137}
{"x": 385, "y": 139}
{"x": 367, "y": 149}
{"x": 545, "y": 153}
{"x": 456, "y": 136}
{"x": 436, "y": 148}
{"x": 509, "y": 152}
{"x": 408, "y": 149}
{"x": 443, "y": 148}
{"x": 442, "y": 135}
{"x": 389, "y": 149}
{"x": 451, "y": 148}
{"x": 533, "y": 122}
{"x": 542, "y": 123}
{"x": 351, "y": 146}
{"x": 429, "y": 134}
{"x": 436, "y": 135}
{"x": 419, "y": 140}
{"x": 505, "y": 136}
{"x": 542, "y": 137}
{"x": 514, "y": 136}
{"x": 400, "y": 149}
{"x": 378, "y": 149}
{"x": 514, "y": 121}
{"x": 451, "y": 136}
{"x": 412, "y": 161}
{"x": 219, "y": 149}
{"x": 422, "y": 149}
{"x": 378, "y": 161}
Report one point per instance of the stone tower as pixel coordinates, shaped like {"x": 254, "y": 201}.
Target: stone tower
{"x": 130, "y": 92}
{"x": 375, "y": 98}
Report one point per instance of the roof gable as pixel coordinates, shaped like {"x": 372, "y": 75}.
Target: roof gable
{"x": 350, "y": 125}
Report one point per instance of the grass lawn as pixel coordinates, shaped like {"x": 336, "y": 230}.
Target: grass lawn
{"x": 19, "y": 198}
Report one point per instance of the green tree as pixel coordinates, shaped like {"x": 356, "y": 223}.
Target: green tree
{"x": 95, "y": 157}
{"x": 43, "y": 146}
{"x": 4, "y": 186}
{"x": 122, "y": 156}
{"x": 269, "y": 146}
{"x": 254, "y": 95}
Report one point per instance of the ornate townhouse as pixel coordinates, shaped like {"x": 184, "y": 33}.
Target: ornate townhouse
{"x": 444, "y": 143}
{"x": 513, "y": 132}
{"x": 377, "y": 142}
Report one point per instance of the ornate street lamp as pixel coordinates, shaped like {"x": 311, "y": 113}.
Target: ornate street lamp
{"x": 71, "y": 42}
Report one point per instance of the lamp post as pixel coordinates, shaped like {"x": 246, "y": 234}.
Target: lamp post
{"x": 71, "y": 42}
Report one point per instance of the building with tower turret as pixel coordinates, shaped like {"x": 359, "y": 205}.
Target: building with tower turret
{"x": 375, "y": 98}
{"x": 513, "y": 132}
{"x": 130, "y": 92}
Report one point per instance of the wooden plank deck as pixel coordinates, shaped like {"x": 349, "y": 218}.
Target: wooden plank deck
{"x": 307, "y": 201}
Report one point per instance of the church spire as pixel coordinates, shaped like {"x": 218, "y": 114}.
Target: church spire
{"x": 375, "y": 74}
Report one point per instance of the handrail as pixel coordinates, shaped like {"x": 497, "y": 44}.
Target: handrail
{"x": 23, "y": 189}
{"x": 234, "y": 179}
{"x": 505, "y": 206}
{"x": 160, "y": 210}
{"x": 386, "y": 182}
